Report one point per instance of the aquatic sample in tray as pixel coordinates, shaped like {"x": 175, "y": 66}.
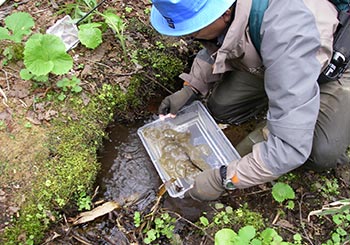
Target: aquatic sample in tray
{"x": 178, "y": 157}
{"x": 183, "y": 146}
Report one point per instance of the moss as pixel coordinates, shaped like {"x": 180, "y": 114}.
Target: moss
{"x": 165, "y": 67}
{"x": 11, "y": 51}
{"x": 244, "y": 216}
{"x": 73, "y": 164}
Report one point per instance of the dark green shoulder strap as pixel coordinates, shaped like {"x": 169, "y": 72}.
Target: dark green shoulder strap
{"x": 255, "y": 19}
{"x": 342, "y": 5}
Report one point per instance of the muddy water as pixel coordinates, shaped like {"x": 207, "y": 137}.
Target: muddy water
{"x": 128, "y": 171}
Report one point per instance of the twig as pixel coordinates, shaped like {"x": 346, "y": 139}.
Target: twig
{"x": 252, "y": 193}
{"x": 4, "y": 100}
{"x": 301, "y": 220}
{"x": 23, "y": 103}
{"x": 193, "y": 224}
{"x": 161, "y": 85}
{"x": 6, "y": 78}
{"x": 95, "y": 192}
{"x": 290, "y": 230}
{"x": 276, "y": 217}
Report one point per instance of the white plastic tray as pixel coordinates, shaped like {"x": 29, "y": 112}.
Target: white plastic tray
{"x": 204, "y": 130}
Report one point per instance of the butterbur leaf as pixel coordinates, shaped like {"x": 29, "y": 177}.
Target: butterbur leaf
{"x": 89, "y": 35}
{"x": 114, "y": 21}
{"x": 45, "y": 53}
{"x": 20, "y": 24}
{"x": 282, "y": 191}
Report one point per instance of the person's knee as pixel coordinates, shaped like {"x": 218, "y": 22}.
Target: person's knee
{"x": 216, "y": 110}
{"x": 323, "y": 158}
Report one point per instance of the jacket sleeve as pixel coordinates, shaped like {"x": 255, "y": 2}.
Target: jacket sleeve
{"x": 289, "y": 48}
{"x": 201, "y": 75}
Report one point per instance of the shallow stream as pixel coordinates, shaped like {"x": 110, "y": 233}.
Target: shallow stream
{"x": 128, "y": 171}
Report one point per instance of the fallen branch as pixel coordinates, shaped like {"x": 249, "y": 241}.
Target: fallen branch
{"x": 158, "y": 83}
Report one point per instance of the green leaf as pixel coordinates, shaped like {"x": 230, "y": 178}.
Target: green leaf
{"x": 282, "y": 191}
{"x": 4, "y": 34}
{"x": 90, "y": 36}
{"x": 46, "y": 53}
{"x": 90, "y": 25}
{"x": 247, "y": 233}
{"x": 256, "y": 241}
{"x": 77, "y": 89}
{"x": 219, "y": 206}
{"x": 61, "y": 97}
{"x": 25, "y": 74}
{"x": 114, "y": 21}
{"x": 225, "y": 237}
{"x": 204, "y": 221}
{"x": 290, "y": 205}
{"x": 42, "y": 78}
{"x": 20, "y": 23}
{"x": 268, "y": 234}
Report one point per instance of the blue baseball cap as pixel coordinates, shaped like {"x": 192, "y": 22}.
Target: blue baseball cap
{"x": 182, "y": 17}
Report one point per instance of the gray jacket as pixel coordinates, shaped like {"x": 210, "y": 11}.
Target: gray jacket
{"x": 297, "y": 37}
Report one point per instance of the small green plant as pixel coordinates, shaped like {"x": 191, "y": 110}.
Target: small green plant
{"x": 44, "y": 54}
{"x": 128, "y": 9}
{"x": 84, "y": 201}
{"x": 30, "y": 240}
{"x": 227, "y": 217}
{"x": 147, "y": 11}
{"x": 282, "y": 192}
{"x": 249, "y": 235}
{"x": 340, "y": 212}
{"x": 327, "y": 187}
{"x": 78, "y": 9}
{"x": 160, "y": 45}
{"x": 17, "y": 25}
{"x": 28, "y": 125}
{"x": 2, "y": 125}
{"x": 163, "y": 226}
{"x": 71, "y": 85}
{"x": 137, "y": 219}
{"x": 118, "y": 26}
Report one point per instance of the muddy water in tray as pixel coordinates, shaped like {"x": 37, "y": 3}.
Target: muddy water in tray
{"x": 127, "y": 171}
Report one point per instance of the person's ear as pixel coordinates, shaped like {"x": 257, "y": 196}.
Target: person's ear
{"x": 227, "y": 15}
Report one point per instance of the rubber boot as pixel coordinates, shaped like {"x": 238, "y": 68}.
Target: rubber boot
{"x": 246, "y": 145}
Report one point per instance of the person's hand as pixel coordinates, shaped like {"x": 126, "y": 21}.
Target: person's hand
{"x": 174, "y": 102}
{"x": 207, "y": 186}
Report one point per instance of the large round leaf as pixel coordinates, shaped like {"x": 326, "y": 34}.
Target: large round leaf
{"x": 90, "y": 36}
{"x": 20, "y": 23}
{"x": 46, "y": 53}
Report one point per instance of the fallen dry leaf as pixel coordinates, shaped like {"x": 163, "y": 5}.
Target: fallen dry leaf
{"x": 95, "y": 213}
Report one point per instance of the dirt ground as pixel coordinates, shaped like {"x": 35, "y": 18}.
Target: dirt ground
{"x": 24, "y": 125}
